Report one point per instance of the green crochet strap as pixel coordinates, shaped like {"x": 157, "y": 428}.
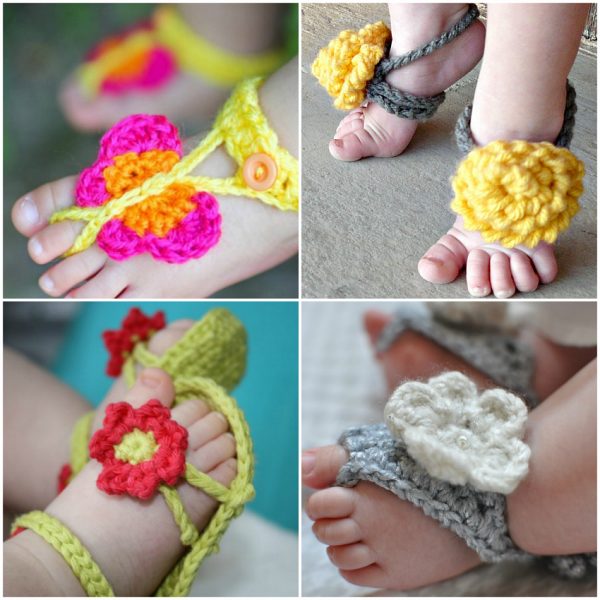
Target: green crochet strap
{"x": 79, "y": 443}
{"x": 70, "y": 548}
{"x": 232, "y": 498}
{"x": 214, "y": 347}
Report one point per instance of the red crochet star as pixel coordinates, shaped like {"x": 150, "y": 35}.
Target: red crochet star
{"x": 136, "y": 327}
{"x": 166, "y": 465}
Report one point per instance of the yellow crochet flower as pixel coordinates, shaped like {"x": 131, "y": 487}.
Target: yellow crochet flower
{"x": 348, "y": 63}
{"x": 518, "y": 192}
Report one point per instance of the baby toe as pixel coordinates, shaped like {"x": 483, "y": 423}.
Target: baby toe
{"x": 332, "y": 503}
{"x": 71, "y": 271}
{"x": 207, "y": 428}
{"x": 443, "y": 261}
{"x": 352, "y": 556}
{"x": 190, "y": 413}
{"x": 337, "y": 532}
{"x": 32, "y": 212}
{"x": 321, "y": 466}
{"x": 370, "y": 576}
{"x": 523, "y": 273}
{"x": 478, "y": 273}
{"x": 501, "y": 276}
{"x": 108, "y": 283}
{"x": 53, "y": 241}
{"x": 544, "y": 262}
{"x": 151, "y": 383}
{"x": 213, "y": 453}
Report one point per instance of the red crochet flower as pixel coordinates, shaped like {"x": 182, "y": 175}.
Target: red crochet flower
{"x": 64, "y": 476}
{"x": 139, "y": 448}
{"x": 136, "y": 327}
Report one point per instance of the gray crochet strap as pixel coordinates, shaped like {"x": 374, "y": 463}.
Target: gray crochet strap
{"x": 407, "y": 105}
{"x": 476, "y": 517}
{"x": 504, "y": 359}
{"x": 466, "y": 143}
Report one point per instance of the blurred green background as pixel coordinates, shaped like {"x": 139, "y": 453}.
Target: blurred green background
{"x": 43, "y": 43}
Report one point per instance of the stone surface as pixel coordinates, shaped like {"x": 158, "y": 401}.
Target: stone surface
{"x": 366, "y": 224}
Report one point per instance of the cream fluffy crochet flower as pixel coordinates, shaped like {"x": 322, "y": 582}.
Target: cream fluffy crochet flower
{"x": 460, "y": 436}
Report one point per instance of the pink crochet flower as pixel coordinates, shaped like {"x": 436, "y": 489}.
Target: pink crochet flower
{"x": 174, "y": 226}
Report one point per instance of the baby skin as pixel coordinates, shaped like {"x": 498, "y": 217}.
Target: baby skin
{"x": 135, "y": 543}
{"x": 255, "y": 237}
{"x": 518, "y": 96}
{"x": 377, "y": 540}
{"x": 241, "y": 29}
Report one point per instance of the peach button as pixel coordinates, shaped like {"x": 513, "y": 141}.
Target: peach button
{"x": 260, "y": 172}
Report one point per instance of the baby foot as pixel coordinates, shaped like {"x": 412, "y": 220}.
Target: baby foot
{"x": 137, "y": 543}
{"x": 490, "y": 268}
{"x": 370, "y": 130}
{"x": 414, "y": 356}
{"x": 373, "y": 537}
{"x": 256, "y": 237}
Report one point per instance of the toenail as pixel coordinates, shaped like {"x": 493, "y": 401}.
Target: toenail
{"x": 338, "y": 143}
{"x": 150, "y": 379}
{"x": 435, "y": 261}
{"x": 35, "y": 247}
{"x": 308, "y": 462}
{"x": 504, "y": 293}
{"x": 29, "y": 211}
{"x": 46, "y": 283}
{"x": 220, "y": 416}
{"x": 479, "y": 291}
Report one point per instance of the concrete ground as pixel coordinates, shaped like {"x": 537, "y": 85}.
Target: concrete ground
{"x": 366, "y": 224}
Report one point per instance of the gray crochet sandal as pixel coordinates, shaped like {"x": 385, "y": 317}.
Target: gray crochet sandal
{"x": 380, "y": 454}
{"x": 491, "y": 350}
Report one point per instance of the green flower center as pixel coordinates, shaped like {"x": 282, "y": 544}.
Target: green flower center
{"x": 136, "y": 447}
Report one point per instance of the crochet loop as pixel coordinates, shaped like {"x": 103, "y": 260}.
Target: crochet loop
{"x": 518, "y": 192}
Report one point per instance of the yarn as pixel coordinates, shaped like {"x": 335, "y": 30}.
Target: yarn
{"x": 70, "y": 548}
{"x": 500, "y": 356}
{"x": 206, "y": 363}
{"x": 139, "y": 449}
{"x": 518, "y": 192}
{"x": 354, "y": 66}
{"x": 348, "y": 63}
{"x": 139, "y": 195}
{"x": 460, "y": 436}
{"x": 479, "y": 518}
{"x": 147, "y": 56}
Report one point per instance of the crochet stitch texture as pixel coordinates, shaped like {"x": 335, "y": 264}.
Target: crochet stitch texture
{"x": 518, "y": 192}
{"x": 206, "y": 363}
{"x": 139, "y": 195}
{"x": 460, "y": 436}
{"x": 353, "y": 67}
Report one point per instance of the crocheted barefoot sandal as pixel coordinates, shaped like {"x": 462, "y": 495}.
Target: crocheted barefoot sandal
{"x": 139, "y": 195}
{"x": 518, "y": 192}
{"x": 489, "y": 348}
{"x": 454, "y": 453}
{"x": 352, "y": 68}
{"x": 146, "y": 57}
{"x": 143, "y": 450}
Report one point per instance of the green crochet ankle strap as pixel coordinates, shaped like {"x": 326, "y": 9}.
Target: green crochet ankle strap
{"x": 69, "y": 547}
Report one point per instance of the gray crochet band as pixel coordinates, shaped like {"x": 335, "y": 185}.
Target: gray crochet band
{"x": 403, "y": 104}
{"x": 466, "y": 143}
{"x": 476, "y": 517}
{"x": 504, "y": 359}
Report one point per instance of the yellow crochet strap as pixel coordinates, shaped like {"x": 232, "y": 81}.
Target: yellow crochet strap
{"x": 244, "y": 131}
{"x": 79, "y": 443}
{"x": 91, "y": 74}
{"x": 199, "y": 56}
{"x": 70, "y": 548}
{"x": 518, "y": 192}
{"x": 347, "y": 63}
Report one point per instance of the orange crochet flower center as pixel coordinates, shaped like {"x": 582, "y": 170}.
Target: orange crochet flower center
{"x": 156, "y": 214}
{"x": 131, "y": 65}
